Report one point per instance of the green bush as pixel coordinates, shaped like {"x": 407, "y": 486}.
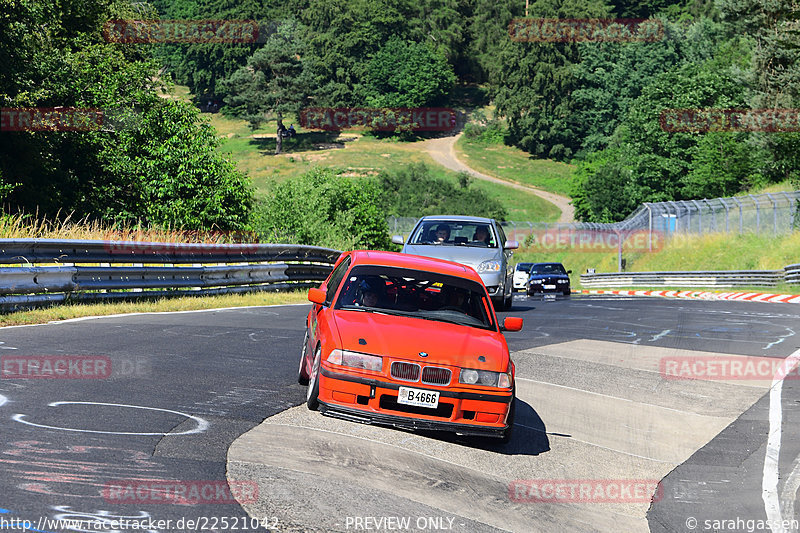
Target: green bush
{"x": 321, "y": 208}
{"x": 413, "y": 192}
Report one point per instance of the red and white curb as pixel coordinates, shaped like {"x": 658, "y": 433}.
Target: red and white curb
{"x": 705, "y": 295}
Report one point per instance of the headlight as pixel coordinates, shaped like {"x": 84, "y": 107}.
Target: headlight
{"x": 485, "y": 378}
{"x": 536, "y": 282}
{"x": 356, "y": 360}
{"x": 563, "y": 281}
{"x": 489, "y": 266}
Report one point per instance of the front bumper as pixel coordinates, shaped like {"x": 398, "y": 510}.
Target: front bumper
{"x": 373, "y": 401}
{"x": 493, "y": 282}
{"x": 554, "y": 287}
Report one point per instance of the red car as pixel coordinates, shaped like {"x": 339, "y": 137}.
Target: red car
{"x": 410, "y": 342}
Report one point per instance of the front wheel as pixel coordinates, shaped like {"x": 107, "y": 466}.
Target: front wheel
{"x": 312, "y": 394}
{"x": 510, "y": 421}
{"x": 509, "y": 301}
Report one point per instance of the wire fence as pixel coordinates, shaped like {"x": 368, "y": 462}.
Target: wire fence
{"x": 763, "y": 214}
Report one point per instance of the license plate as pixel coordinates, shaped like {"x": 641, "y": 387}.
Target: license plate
{"x": 549, "y": 286}
{"x": 419, "y": 398}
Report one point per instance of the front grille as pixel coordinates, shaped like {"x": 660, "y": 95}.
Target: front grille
{"x": 435, "y": 376}
{"x": 405, "y": 371}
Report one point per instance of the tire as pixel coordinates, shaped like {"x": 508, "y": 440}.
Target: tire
{"x": 567, "y": 292}
{"x": 312, "y": 394}
{"x": 507, "y": 434}
{"x": 302, "y": 379}
{"x": 508, "y": 302}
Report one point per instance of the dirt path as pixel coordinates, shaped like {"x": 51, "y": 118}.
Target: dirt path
{"x": 442, "y": 150}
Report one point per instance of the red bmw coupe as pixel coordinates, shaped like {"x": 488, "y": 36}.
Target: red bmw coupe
{"x": 411, "y": 342}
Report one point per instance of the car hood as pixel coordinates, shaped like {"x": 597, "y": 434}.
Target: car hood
{"x": 466, "y": 255}
{"x": 404, "y": 338}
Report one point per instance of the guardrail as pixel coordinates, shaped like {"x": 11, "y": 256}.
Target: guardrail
{"x": 791, "y": 273}
{"x": 80, "y": 270}
{"x": 718, "y": 278}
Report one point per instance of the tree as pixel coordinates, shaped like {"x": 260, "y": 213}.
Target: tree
{"x": 275, "y": 79}
{"x": 774, "y": 73}
{"x": 151, "y": 162}
{"x": 407, "y": 74}
{"x": 533, "y": 83}
{"x": 645, "y": 163}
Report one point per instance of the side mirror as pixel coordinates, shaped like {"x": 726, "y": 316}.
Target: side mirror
{"x": 317, "y": 296}
{"x": 511, "y": 323}
{"x": 398, "y": 239}
{"x": 511, "y": 245}
{"x": 569, "y": 272}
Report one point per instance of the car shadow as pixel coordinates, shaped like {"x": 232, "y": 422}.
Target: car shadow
{"x": 528, "y": 438}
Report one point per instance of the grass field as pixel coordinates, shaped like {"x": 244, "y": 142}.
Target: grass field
{"x": 188, "y": 303}
{"x": 510, "y": 163}
{"x": 707, "y": 252}
{"x": 353, "y": 154}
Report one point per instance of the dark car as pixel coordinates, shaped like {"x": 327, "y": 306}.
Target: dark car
{"x": 548, "y": 277}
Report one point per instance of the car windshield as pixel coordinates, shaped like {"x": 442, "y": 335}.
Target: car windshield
{"x": 454, "y": 233}
{"x": 548, "y": 269}
{"x": 416, "y": 294}
{"x": 524, "y": 267}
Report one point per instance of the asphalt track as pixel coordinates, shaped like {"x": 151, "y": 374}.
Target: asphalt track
{"x": 202, "y": 397}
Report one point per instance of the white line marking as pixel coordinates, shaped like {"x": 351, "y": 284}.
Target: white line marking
{"x": 572, "y": 438}
{"x": 789, "y": 491}
{"x": 82, "y": 318}
{"x": 3, "y": 400}
{"x": 617, "y": 398}
{"x": 663, "y": 333}
{"x": 780, "y": 339}
{"x": 769, "y": 483}
{"x": 202, "y": 425}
